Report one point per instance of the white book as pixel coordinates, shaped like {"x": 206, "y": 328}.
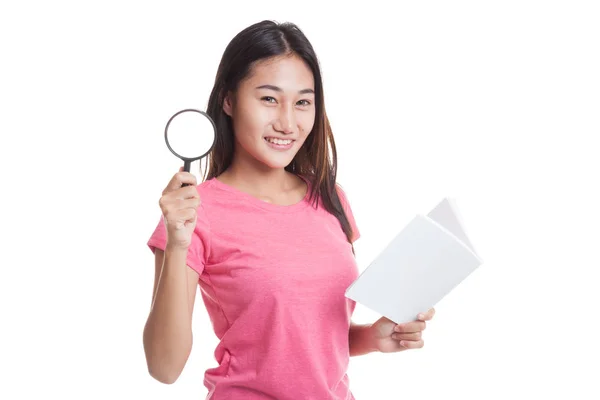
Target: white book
{"x": 419, "y": 267}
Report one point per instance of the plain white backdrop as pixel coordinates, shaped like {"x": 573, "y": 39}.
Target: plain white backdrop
{"x": 494, "y": 103}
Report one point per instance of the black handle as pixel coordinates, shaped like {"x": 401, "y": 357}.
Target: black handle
{"x": 186, "y": 167}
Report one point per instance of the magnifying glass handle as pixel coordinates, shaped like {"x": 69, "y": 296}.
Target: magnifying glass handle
{"x": 186, "y": 168}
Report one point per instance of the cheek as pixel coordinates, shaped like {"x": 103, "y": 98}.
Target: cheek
{"x": 306, "y": 121}
{"x": 251, "y": 121}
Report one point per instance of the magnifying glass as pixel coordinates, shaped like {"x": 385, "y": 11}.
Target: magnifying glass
{"x": 190, "y": 134}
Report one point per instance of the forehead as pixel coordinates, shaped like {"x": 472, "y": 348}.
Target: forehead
{"x": 287, "y": 72}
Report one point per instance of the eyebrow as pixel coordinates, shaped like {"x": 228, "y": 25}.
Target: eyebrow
{"x": 278, "y": 89}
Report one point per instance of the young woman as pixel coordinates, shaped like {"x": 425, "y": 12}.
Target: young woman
{"x": 267, "y": 236}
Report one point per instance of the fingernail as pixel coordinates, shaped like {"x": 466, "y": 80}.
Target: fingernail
{"x": 397, "y": 328}
{"x": 421, "y": 316}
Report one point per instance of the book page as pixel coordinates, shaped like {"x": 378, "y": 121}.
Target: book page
{"x": 446, "y": 214}
{"x": 418, "y": 268}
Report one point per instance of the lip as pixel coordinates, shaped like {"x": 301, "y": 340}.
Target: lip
{"x": 281, "y": 138}
{"x": 281, "y": 147}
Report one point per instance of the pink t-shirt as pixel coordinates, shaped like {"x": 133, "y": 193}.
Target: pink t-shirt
{"x": 273, "y": 279}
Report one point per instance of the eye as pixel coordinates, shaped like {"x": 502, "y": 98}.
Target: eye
{"x": 268, "y": 99}
{"x": 304, "y": 103}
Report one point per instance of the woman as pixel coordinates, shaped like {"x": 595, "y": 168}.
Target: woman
{"x": 268, "y": 237}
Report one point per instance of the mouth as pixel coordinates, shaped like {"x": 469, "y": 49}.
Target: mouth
{"x": 279, "y": 144}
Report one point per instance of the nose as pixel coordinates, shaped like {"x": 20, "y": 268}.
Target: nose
{"x": 286, "y": 120}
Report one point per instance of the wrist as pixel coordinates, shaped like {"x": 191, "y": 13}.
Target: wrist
{"x": 362, "y": 339}
{"x": 371, "y": 338}
{"x": 175, "y": 248}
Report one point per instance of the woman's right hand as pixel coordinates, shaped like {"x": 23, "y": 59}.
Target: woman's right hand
{"x": 179, "y": 208}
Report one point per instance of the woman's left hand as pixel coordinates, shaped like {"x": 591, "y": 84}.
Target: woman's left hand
{"x": 390, "y": 337}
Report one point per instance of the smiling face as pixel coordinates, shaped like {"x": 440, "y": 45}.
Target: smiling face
{"x": 273, "y": 112}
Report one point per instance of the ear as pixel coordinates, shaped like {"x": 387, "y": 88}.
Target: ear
{"x": 228, "y": 104}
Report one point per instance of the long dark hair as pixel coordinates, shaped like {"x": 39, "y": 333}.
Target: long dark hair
{"x": 313, "y": 161}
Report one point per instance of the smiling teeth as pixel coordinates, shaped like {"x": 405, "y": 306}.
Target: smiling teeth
{"x": 279, "y": 141}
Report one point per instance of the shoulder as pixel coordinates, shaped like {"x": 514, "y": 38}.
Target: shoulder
{"x": 208, "y": 188}
{"x": 207, "y": 184}
{"x": 348, "y": 210}
{"x": 342, "y": 195}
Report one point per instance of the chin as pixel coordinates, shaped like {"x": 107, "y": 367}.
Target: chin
{"x": 276, "y": 160}
{"x": 276, "y": 163}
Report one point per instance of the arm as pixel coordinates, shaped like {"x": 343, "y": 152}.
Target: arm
{"x": 168, "y": 329}
{"x": 361, "y": 340}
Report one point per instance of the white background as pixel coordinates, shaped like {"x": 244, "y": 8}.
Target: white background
{"x": 493, "y": 103}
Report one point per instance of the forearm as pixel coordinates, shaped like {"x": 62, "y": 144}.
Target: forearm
{"x": 168, "y": 330}
{"x": 361, "y": 340}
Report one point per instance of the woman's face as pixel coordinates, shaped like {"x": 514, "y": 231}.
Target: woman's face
{"x": 273, "y": 111}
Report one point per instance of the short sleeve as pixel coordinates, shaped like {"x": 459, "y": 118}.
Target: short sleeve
{"x": 349, "y": 214}
{"x": 199, "y": 246}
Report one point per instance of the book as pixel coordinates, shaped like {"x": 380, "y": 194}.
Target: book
{"x": 424, "y": 262}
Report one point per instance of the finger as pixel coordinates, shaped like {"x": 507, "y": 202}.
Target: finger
{"x": 186, "y": 178}
{"x": 410, "y": 327}
{"x": 188, "y": 214}
{"x": 412, "y": 344}
{"x": 408, "y": 336}
{"x": 178, "y": 219}
{"x": 426, "y": 316}
{"x": 183, "y": 204}
{"x": 179, "y": 179}
{"x": 185, "y": 192}
{"x": 185, "y": 214}
{"x": 188, "y": 192}
{"x": 181, "y": 198}
{"x": 170, "y": 205}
